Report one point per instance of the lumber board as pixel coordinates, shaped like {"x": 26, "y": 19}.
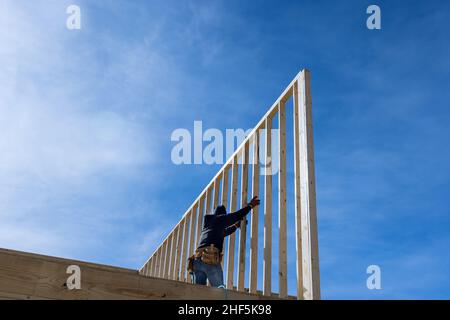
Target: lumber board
{"x": 32, "y": 276}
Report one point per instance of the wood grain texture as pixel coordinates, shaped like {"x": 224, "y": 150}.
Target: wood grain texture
{"x": 201, "y": 214}
{"x": 232, "y": 238}
{"x": 184, "y": 252}
{"x": 155, "y": 269}
{"x": 253, "y": 272}
{"x": 243, "y": 227}
{"x": 267, "y": 266}
{"x": 282, "y": 227}
{"x": 310, "y": 248}
{"x": 169, "y": 257}
{"x": 165, "y": 259}
{"x": 192, "y": 230}
{"x": 209, "y": 195}
{"x": 297, "y": 200}
{"x": 216, "y": 192}
{"x": 161, "y": 261}
{"x": 149, "y": 267}
{"x": 224, "y": 200}
{"x": 178, "y": 252}
{"x": 225, "y": 190}
{"x": 32, "y": 276}
{"x": 174, "y": 254}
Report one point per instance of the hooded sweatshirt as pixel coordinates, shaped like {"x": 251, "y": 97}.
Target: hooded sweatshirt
{"x": 219, "y": 225}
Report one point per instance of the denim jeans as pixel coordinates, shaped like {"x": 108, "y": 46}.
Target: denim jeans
{"x": 203, "y": 271}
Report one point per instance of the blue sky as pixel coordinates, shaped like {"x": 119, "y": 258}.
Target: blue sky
{"x": 86, "y": 118}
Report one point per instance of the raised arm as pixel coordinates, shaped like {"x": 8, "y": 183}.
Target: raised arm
{"x": 233, "y": 228}
{"x": 230, "y": 230}
{"x": 232, "y": 218}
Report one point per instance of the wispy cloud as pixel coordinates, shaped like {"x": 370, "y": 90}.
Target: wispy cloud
{"x": 66, "y": 152}
{"x": 86, "y": 118}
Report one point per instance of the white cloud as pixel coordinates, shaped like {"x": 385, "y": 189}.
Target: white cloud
{"x": 64, "y": 156}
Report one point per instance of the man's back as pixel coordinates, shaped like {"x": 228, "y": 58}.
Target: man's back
{"x": 213, "y": 232}
{"x": 205, "y": 263}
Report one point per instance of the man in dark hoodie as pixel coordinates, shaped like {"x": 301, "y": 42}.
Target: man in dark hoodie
{"x": 206, "y": 263}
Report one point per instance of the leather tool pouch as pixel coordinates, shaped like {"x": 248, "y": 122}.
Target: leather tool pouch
{"x": 209, "y": 255}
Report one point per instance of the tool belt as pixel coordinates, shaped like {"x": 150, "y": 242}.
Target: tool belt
{"x": 208, "y": 255}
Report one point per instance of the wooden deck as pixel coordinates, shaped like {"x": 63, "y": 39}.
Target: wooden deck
{"x": 33, "y": 276}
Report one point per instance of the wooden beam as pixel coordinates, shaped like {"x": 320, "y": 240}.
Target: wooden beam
{"x": 209, "y": 195}
{"x": 297, "y": 200}
{"x": 178, "y": 251}
{"x": 149, "y": 267}
{"x": 192, "y": 231}
{"x": 208, "y": 200}
{"x": 225, "y": 190}
{"x": 173, "y": 251}
{"x": 161, "y": 261}
{"x": 267, "y": 266}
{"x": 232, "y": 238}
{"x": 224, "y": 198}
{"x": 168, "y": 257}
{"x": 282, "y": 243}
{"x": 152, "y": 269}
{"x": 183, "y": 272}
{"x": 152, "y": 266}
{"x": 143, "y": 271}
{"x": 30, "y": 276}
{"x": 173, "y": 259}
{"x": 201, "y": 212}
{"x": 156, "y": 269}
{"x": 243, "y": 227}
{"x": 253, "y": 279}
{"x": 216, "y": 192}
{"x": 310, "y": 250}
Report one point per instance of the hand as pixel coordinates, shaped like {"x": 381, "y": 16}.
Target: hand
{"x": 254, "y": 202}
